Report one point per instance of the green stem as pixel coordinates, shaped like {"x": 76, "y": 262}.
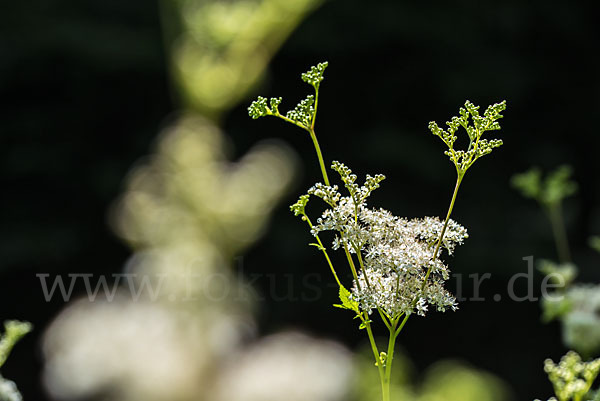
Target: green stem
{"x": 395, "y": 332}
{"x": 322, "y": 248}
{"x": 313, "y": 136}
{"x": 374, "y": 348}
{"x": 284, "y": 118}
{"x": 314, "y": 117}
{"x": 439, "y": 242}
{"x": 560, "y": 235}
{"x": 402, "y": 324}
{"x": 352, "y": 267}
{"x": 384, "y": 319}
{"x": 388, "y": 362}
{"x": 387, "y": 379}
{"x": 385, "y": 383}
{"x": 362, "y": 266}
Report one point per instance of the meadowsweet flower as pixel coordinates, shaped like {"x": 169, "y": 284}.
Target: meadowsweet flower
{"x": 398, "y": 252}
{"x": 398, "y": 269}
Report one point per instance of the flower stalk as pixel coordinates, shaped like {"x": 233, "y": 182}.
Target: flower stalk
{"x": 399, "y": 270}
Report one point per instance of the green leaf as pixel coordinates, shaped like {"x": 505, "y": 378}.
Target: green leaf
{"x": 555, "y": 307}
{"x": 550, "y": 191}
{"x": 347, "y": 302}
{"x": 319, "y": 247}
{"x": 529, "y": 183}
{"x": 364, "y": 323}
{"x": 560, "y": 273}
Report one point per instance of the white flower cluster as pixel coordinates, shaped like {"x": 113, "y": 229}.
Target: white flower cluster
{"x": 581, "y": 325}
{"x": 397, "y": 252}
{"x": 8, "y": 391}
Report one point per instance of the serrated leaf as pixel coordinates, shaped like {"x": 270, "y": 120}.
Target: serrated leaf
{"x": 347, "y": 302}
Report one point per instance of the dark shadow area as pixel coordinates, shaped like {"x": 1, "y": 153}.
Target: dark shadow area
{"x": 85, "y": 90}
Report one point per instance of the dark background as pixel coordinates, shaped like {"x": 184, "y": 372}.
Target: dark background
{"x": 85, "y": 90}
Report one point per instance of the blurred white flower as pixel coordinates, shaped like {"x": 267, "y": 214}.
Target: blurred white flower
{"x": 132, "y": 351}
{"x": 8, "y": 391}
{"x": 290, "y": 367}
{"x": 188, "y": 211}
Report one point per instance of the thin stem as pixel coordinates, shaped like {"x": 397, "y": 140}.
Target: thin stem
{"x": 322, "y": 248}
{"x": 374, "y": 347}
{"x": 313, "y": 136}
{"x": 402, "y": 324}
{"x": 439, "y": 242}
{"x": 389, "y": 360}
{"x": 395, "y": 332}
{"x": 560, "y": 235}
{"x": 289, "y": 120}
{"x": 384, "y": 319}
{"x": 314, "y": 119}
{"x": 362, "y": 266}
{"x": 352, "y": 267}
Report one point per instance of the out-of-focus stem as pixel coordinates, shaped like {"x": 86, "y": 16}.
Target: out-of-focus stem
{"x": 560, "y": 235}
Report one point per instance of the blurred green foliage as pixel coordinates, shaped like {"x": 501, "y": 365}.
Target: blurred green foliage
{"x": 220, "y": 49}
{"x": 572, "y": 378}
{"x": 576, "y": 305}
{"x": 13, "y": 332}
{"x": 548, "y": 192}
{"x": 445, "y": 380}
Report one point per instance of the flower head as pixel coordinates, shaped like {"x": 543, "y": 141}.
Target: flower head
{"x": 398, "y": 253}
